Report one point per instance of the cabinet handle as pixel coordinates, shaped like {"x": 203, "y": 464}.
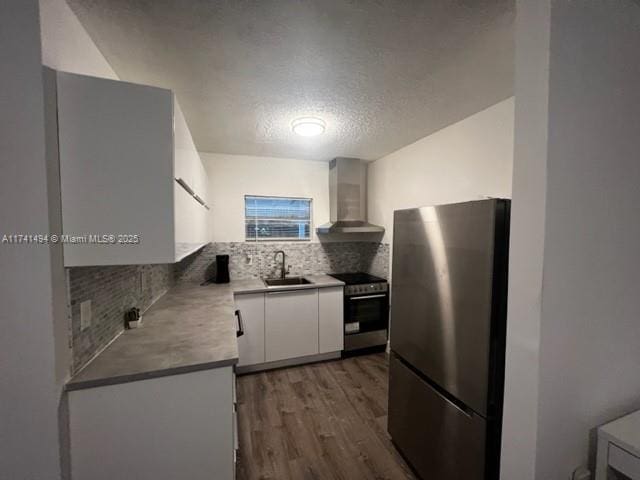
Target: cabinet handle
{"x": 240, "y": 331}
{"x": 199, "y": 200}
{"x": 186, "y": 186}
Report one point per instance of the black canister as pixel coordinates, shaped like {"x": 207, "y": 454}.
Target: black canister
{"x": 222, "y": 268}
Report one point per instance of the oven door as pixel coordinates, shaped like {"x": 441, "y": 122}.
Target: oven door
{"x": 366, "y": 313}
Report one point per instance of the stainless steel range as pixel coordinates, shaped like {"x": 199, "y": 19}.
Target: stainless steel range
{"x": 366, "y": 311}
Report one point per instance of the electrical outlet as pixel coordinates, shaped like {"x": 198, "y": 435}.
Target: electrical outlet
{"x": 85, "y": 315}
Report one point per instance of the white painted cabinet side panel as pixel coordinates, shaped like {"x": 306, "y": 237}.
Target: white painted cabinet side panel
{"x": 165, "y": 428}
{"x": 291, "y": 324}
{"x": 330, "y": 319}
{"x": 251, "y": 344}
{"x": 116, "y": 160}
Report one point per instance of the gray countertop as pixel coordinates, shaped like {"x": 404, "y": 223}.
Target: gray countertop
{"x": 190, "y": 328}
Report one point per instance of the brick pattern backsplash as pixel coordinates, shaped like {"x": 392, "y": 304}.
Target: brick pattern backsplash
{"x": 256, "y": 260}
{"x": 112, "y": 291}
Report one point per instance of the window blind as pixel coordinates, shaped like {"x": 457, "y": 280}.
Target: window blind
{"x": 277, "y": 218}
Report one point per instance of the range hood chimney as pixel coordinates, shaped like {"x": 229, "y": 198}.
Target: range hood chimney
{"x": 348, "y": 198}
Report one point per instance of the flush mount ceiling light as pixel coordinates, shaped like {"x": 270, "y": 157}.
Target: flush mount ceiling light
{"x": 308, "y": 126}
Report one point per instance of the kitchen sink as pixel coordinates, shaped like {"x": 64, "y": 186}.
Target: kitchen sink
{"x": 280, "y": 282}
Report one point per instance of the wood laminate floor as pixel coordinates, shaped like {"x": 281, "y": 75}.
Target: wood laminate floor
{"x": 322, "y": 421}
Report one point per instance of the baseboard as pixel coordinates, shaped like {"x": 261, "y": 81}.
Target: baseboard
{"x": 289, "y": 362}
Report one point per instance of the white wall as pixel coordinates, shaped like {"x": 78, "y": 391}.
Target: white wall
{"x": 520, "y": 423}
{"x": 66, "y": 45}
{"x": 29, "y": 389}
{"x": 590, "y": 331}
{"x": 587, "y": 310}
{"x": 467, "y": 160}
{"x": 231, "y": 177}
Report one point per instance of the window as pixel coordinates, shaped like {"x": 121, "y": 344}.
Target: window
{"x": 277, "y": 218}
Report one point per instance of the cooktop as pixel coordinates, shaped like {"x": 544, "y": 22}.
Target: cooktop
{"x": 356, "y": 278}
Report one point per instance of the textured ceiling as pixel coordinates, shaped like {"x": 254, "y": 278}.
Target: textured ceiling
{"x": 381, "y": 73}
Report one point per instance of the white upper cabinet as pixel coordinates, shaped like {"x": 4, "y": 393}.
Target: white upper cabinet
{"x": 118, "y": 161}
{"x": 187, "y": 159}
{"x": 201, "y": 184}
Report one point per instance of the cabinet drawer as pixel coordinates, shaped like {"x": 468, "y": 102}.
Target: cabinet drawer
{"x": 623, "y": 461}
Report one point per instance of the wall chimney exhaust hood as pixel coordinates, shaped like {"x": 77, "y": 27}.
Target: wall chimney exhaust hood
{"x": 348, "y": 198}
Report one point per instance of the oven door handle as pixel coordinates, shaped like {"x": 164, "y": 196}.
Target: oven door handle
{"x": 366, "y": 297}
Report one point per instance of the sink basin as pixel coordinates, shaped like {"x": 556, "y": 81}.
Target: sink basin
{"x": 279, "y": 282}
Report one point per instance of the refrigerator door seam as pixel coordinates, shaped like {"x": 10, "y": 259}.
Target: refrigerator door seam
{"x": 441, "y": 392}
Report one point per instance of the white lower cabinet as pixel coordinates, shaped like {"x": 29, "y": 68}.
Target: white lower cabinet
{"x": 251, "y": 343}
{"x": 291, "y": 324}
{"x": 178, "y": 426}
{"x": 288, "y": 324}
{"x": 330, "y": 319}
{"x": 236, "y": 432}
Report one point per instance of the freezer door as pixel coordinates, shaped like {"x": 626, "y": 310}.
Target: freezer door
{"x": 440, "y": 441}
{"x": 441, "y": 295}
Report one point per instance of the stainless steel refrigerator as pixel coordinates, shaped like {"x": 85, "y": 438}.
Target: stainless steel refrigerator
{"x": 448, "y": 324}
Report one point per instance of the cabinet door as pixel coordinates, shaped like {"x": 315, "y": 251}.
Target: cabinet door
{"x": 166, "y": 428}
{"x": 191, "y": 216}
{"x": 185, "y": 150}
{"x": 188, "y": 164}
{"x": 291, "y": 324}
{"x": 251, "y": 344}
{"x": 202, "y": 181}
{"x": 191, "y": 223}
{"x": 187, "y": 223}
{"x": 330, "y": 321}
{"x": 202, "y": 227}
{"x": 116, "y": 165}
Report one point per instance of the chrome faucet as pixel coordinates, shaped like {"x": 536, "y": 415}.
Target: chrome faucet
{"x": 283, "y": 271}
